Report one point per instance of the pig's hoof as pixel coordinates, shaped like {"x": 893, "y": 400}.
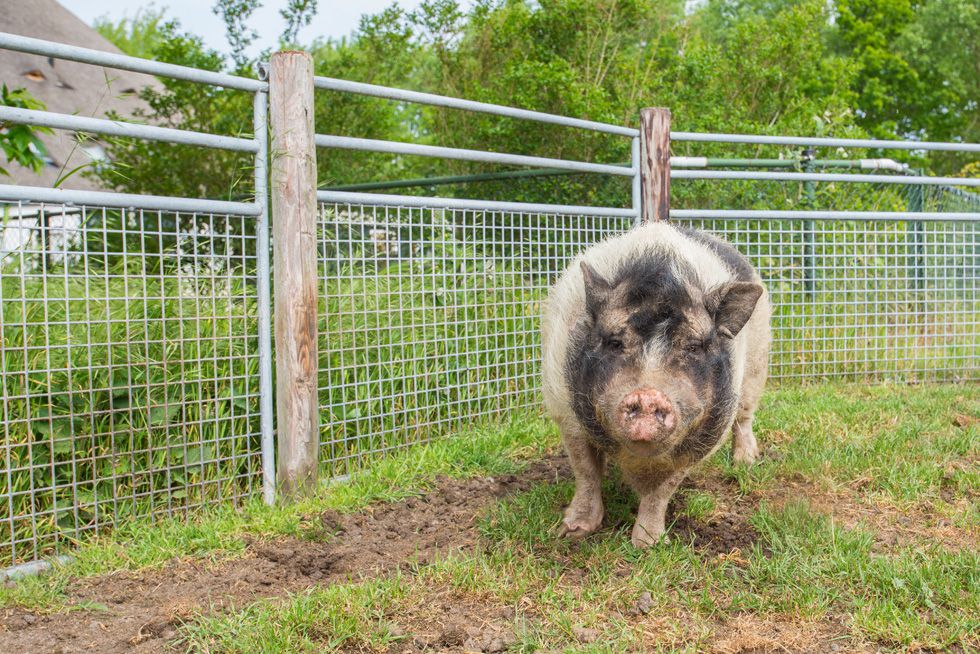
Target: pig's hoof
{"x": 576, "y": 530}
{"x": 644, "y": 537}
{"x": 576, "y": 526}
{"x": 745, "y": 453}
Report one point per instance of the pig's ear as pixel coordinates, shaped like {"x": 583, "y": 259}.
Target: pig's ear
{"x": 596, "y": 289}
{"x": 735, "y": 303}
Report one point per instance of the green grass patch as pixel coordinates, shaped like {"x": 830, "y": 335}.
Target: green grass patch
{"x": 321, "y": 619}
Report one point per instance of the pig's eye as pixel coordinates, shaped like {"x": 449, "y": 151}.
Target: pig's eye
{"x": 694, "y": 346}
{"x": 613, "y": 344}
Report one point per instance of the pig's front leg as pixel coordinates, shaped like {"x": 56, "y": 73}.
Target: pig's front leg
{"x": 584, "y": 515}
{"x": 655, "y": 490}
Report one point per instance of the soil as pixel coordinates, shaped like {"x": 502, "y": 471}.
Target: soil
{"x": 136, "y": 613}
{"x": 140, "y": 612}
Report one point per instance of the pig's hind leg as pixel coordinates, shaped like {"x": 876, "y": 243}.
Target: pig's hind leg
{"x": 584, "y": 515}
{"x": 745, "y": 449}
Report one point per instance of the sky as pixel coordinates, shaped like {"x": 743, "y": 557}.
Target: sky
{"x": 335, "y": 18}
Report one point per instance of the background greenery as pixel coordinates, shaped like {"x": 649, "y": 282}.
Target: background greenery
{"x": 849, "y": 68}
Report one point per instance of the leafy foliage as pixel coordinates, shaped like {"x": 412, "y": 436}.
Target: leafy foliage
{"x": 20, "y": 143}
{"x": 900, "y": 68}
{"x": 138, "y": 36}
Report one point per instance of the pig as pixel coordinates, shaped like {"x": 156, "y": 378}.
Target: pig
{"x": 655, "y": 346}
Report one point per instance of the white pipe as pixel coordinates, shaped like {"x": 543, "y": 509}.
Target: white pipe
{"x": 118, "y": 128}
{"x": 394, "y": 147}
{"x": 825, "y": 177}
{"x": 883, "y": 164}
{"x": 124, "y": 62}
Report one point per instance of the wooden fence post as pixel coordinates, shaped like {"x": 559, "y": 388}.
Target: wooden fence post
{"x": 654, "y": 164}
{"x": 294, "y": 209}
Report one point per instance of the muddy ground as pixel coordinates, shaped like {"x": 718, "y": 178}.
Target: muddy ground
{"x": 137, "y": 613}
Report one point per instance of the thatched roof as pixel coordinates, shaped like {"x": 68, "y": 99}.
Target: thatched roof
{"x": 64, "y": 86}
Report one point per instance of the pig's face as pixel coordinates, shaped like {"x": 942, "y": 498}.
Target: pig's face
{"x": 650, "y": 368}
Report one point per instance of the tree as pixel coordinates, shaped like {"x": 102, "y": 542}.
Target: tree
{"x": 139, "y": 166}
{"x": 918, "y": 75}
{"x": 138, "y": 36}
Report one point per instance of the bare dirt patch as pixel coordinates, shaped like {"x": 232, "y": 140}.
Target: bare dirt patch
{"x": 727, "y": 531}
{"x": 747, "y": 634}
{"x": 139, "y": 612}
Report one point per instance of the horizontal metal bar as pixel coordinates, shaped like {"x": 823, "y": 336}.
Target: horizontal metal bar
{"x": 751, "y": 214}
{"x": 394, "y": 147}
{"x": 125, "y": 62}
{"x": 31, "y": 568}
{"x": 432, "y": 99}
{"x": 512, "y": 112}
{"x": 343, "y": 197}
{"x": 824, "y": 141}
{"x": 825, "y": 177}
{"x": 680, "y": 162}
{"x": 706, "y": 162}
{"x": 449, "y": 179}
{"x": 38, "y": 195}
{"x": 117, "y": 128}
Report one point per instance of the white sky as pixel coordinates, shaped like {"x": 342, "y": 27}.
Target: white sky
{"x": 335, "y": 18}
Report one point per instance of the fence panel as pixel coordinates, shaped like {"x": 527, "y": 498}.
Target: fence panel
{"x": 429, "y": 320}
{"x": 128, "y": 368}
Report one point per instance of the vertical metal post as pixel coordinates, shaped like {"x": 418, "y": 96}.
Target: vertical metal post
{"x": 654, "y": 164}
{"x": 810, "y": 194}
{"x": 916, "y": 204}
{"x": 294, "y": 209}
{"x": 264, "y": 272}
{"x": 635, "y": 164}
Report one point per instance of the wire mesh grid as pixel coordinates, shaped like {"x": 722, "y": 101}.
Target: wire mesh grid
{"x": 429, "y": 318}
{"x": 128, "y": 369}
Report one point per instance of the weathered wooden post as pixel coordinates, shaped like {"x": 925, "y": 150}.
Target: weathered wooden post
{"x": 293, "y": 195}
{"x": 654, "y": 164}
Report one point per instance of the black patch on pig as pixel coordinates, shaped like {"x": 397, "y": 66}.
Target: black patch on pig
{"x": 711, "y": 373}
{"x": 650, "y": 279}
{"x": 587, "y": 371}
{"x": 647, "y": 286}
{"x": 728, "y": 253}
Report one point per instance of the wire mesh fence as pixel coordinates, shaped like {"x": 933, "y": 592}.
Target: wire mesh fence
{"x": 136, "y": 350}
{"x": 127, "y": 368}
{"x": 429, "y": 320}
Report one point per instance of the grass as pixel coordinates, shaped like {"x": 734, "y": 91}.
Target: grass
{"x": 807, "y": 575}
{"x": 844, "y": 465}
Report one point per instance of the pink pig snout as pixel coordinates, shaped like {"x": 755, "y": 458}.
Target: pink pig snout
{"x": 647, "y": 415}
